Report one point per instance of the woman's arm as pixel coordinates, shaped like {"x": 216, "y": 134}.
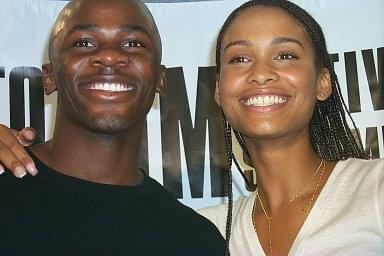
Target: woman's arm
{"x": 13, "y": 156}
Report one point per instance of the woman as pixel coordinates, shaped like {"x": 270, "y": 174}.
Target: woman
{"x": 278, "y": 90}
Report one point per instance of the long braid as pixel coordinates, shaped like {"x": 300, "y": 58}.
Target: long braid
{"x": 229, "y": 155}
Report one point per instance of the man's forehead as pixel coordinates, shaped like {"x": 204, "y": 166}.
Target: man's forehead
{"x": 110, "y": 15}
{"x": 117, "y": 14}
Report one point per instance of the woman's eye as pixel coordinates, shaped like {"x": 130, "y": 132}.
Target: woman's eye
{"x": 133, "y": 43}
{"x": 239, "y": 59}
{"x": 286, "y": 56}
{"x": 83, "y": 43}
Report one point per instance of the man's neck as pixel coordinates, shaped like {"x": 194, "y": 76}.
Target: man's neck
{"x": 106, "y": 159}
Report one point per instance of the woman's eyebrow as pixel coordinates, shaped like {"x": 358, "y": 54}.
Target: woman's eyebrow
{"x": 284, "y": 40}
{"x": 237, "y": 42}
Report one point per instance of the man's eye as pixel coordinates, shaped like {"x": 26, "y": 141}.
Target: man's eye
{"x": 83, "y": 43}
{"x": 239, "y": 59}
{"x": 133, "y": 43}
{"x": 286, "y": 56}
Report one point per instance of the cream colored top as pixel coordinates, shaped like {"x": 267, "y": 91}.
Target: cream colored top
{"x": 346, "y": 219}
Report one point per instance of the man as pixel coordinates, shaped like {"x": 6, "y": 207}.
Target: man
{"x": 90, "y": 197}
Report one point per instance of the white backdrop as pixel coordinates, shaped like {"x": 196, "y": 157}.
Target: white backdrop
{"x": 354, "y": 31}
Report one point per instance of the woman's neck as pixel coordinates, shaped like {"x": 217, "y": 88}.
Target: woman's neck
{"x": 283, "y": 167}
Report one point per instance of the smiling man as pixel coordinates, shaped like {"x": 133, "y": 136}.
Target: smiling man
{"x": 90, "y": 197}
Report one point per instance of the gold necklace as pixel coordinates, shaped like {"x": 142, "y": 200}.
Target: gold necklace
{"x": 270, "y": 217}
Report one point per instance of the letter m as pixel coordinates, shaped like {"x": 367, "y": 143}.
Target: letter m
{"x": 175, "y": 115}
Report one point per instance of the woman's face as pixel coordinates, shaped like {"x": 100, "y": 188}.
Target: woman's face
{"x": 268, "y": 82}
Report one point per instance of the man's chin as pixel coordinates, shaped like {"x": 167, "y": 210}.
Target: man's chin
{"x": 108, "y": 126}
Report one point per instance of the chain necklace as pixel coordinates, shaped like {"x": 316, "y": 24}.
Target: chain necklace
{"x": 270, "y": 217}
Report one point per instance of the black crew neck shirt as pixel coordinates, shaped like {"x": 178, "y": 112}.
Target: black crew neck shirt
{"x": 55, "y": 214}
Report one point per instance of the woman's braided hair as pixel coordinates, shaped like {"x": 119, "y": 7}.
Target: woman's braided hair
{"x": 330, "y": 134}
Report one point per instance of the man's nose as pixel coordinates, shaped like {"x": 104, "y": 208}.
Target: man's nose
{"x": 109, "y": 57}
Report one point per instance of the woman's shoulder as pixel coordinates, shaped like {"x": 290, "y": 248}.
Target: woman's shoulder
{"x": 355, "y": 189}
{"x": 358, "y": 175}
{"x": 363, "y": 163}
{"x": 361, "y": 167}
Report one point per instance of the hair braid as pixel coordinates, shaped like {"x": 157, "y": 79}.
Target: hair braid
{"x": 229, "y": 156}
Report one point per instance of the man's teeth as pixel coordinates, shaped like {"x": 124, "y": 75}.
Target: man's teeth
{"x": 111, "y": 87}
{"x": 263, "y": 101}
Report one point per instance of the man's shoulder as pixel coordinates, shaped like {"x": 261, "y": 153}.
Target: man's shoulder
{"x": 167, "y": 203}
{"x": 202, "y": 235}
{"x": 10, "y": 184}
{"x": 172, "y": 207}
{"x": 191, "y": 231}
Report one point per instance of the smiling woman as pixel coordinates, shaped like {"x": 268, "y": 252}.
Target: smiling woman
{"x": 278, "y": 90}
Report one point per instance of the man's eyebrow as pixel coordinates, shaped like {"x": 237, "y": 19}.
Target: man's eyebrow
{"x": 84, "y": 27}
{"x": 136, "y": 28}
{"x": 284, "y": 40}
{"x": 125, "y": 28}
{"x": 237, "y": 42}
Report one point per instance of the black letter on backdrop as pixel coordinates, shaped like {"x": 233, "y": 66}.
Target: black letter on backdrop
{"x": 2, "y": 72}
{"x": 143, "y": 161}
{"x": 352, "y": 82}
{"x": 376, "y": 83}
{"x": 36, "y": 99}
{"x": 175, "y": 110}
{"x": 334, "y": 58}
{"x": 205, "y": 99}
{"x": 372, "y": 142}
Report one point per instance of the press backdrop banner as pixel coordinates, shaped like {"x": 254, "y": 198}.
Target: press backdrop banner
{"x": 183, "y": 147}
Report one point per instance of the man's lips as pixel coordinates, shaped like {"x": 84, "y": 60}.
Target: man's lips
{"x": 102, "y": 91}
{"x": 110, "y": 87}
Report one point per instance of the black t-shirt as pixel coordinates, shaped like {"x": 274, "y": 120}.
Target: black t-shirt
{"x": 55, "y": 214}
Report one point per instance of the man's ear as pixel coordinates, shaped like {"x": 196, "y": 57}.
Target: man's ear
{"x": 162, "y": 81}
{"x": 324, "y": 85}
{"x": 49, "y": 83}
{"x": 217, "y": 93}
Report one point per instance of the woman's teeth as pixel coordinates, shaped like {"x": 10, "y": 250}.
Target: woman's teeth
{"x": 263, "y": 101}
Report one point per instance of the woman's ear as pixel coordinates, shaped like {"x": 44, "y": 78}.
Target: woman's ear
{"x": 217, "y": 93}
{"x": 161, "y": 84}
{"x": 324, "y": 85}
{"x": 49, "y": 83}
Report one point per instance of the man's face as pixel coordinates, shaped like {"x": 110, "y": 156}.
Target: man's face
{"x": 105, "y": 64}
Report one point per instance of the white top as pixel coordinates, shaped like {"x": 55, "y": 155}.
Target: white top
{"x": 346, "y": 219}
